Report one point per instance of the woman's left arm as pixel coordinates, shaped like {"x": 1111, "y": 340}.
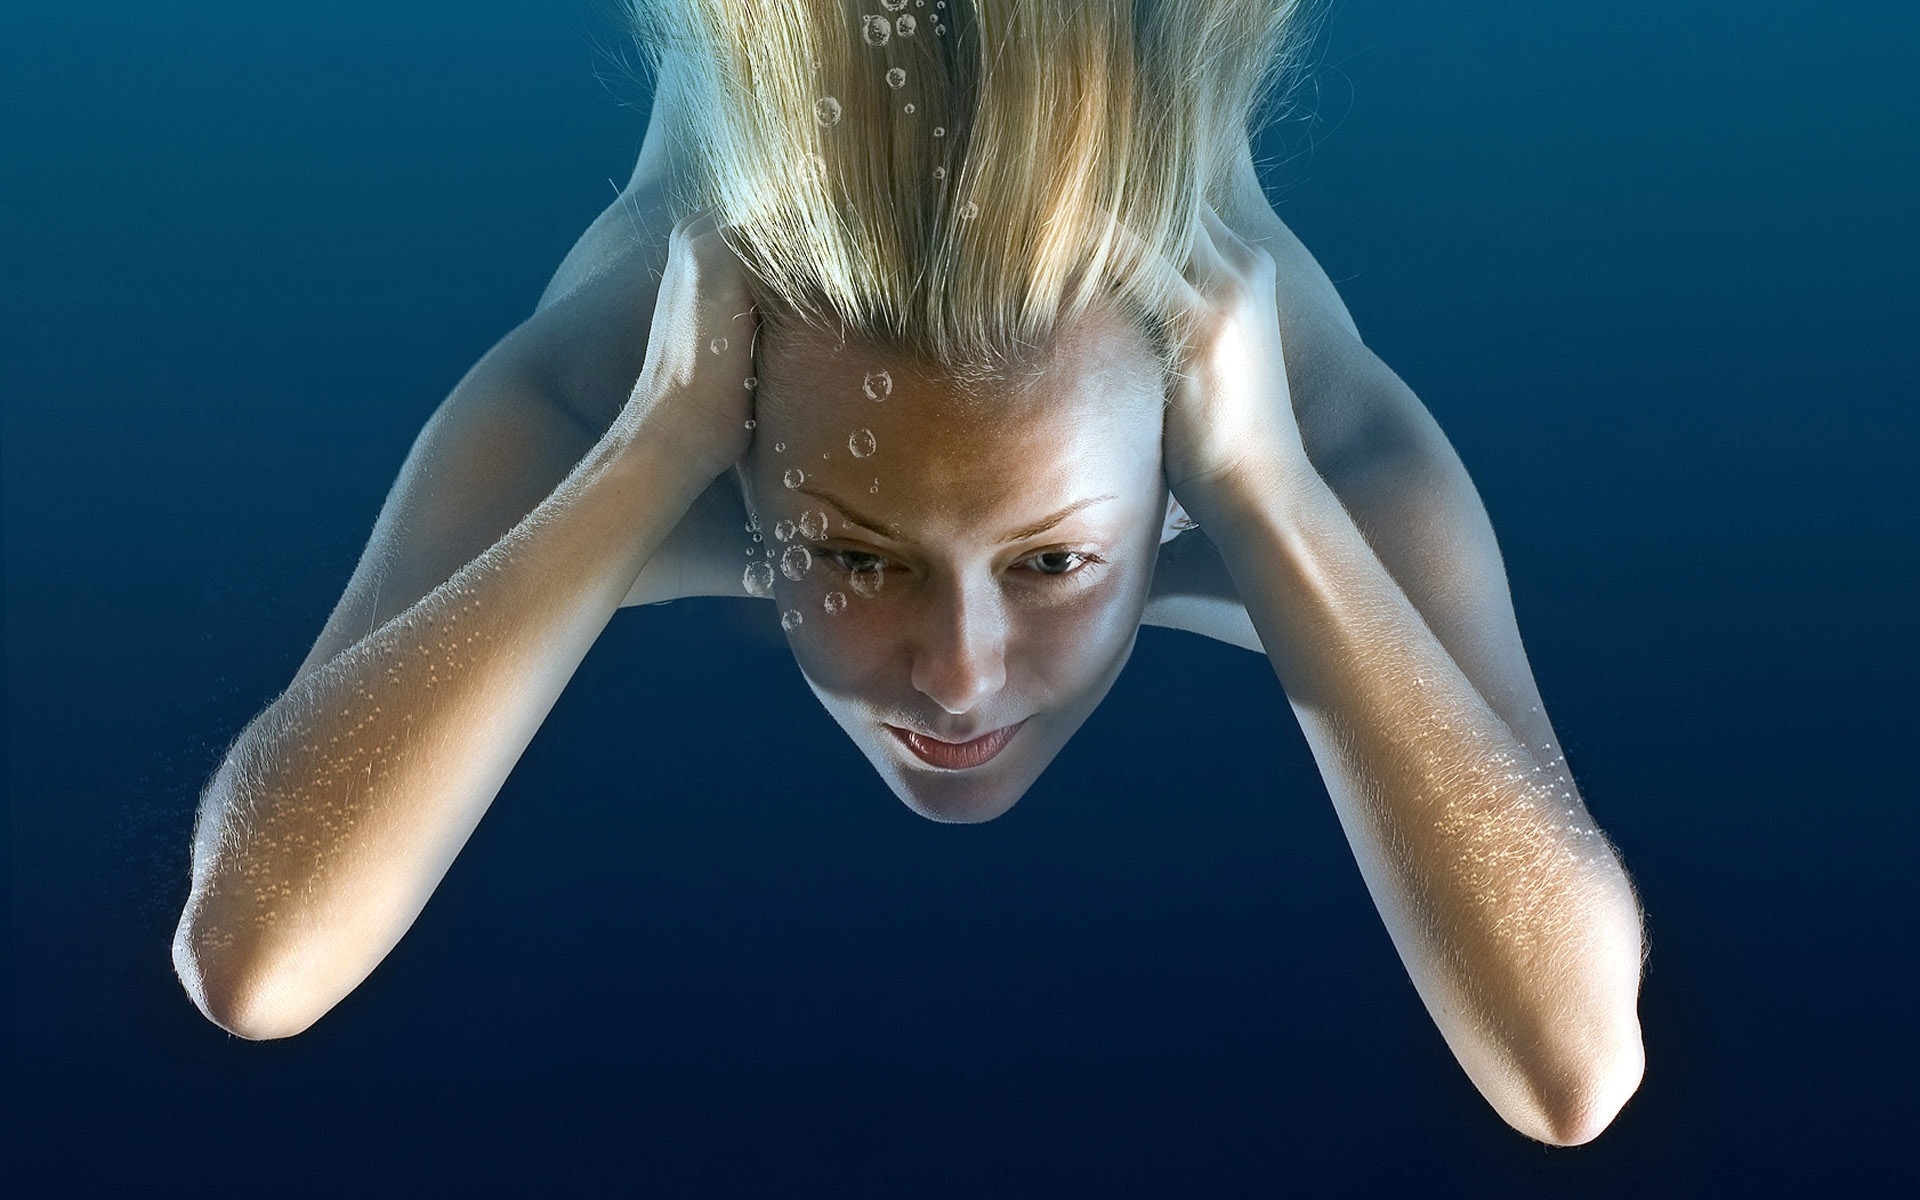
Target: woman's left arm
{"x": 1371, "y": 574}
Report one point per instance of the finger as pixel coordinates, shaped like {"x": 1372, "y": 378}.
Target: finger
{"x": 1161, "y": 279}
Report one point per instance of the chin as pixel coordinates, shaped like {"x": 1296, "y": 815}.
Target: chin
{"x": 956, "y": 805}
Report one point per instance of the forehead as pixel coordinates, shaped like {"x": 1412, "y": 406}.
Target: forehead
{"x": 1086, "y": 415}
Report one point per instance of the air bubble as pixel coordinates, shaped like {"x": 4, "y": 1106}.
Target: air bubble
{"x": 790, "y": 620}
{"x": 752, "y": 382}
{"x": 939, "y": 131}
{"x": 784, "y": 531}
{"x": 896, "y": 78}
{"x": 867, "y": 582}
{"x": 906, "y": 26}
{"x": 758, "y": 579}
{"x": 750, "y": 422}
{"x": 779, "y": 447}
{"x": 907, "y": 108}
{"x": 875, "y": 29}
{"x": 813, "y": 524}
{"x": 718, "y": 345}
{"x": 753, "y": 522}
{"x": 939, "y": 172}
{"x": 826, "y": 110}
{"x": 794, "y": 477}
{"x": 862, "y": 443}
{"x": 835, "y": 603}
{"x": 878, "y": 385}
{"x": 893, "y": 5}
{"x": 796, "y": 562}
{"x": 969, "y": 211}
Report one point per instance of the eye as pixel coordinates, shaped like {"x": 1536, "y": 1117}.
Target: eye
{"x": 1058, "y": 562}
{"x": 854, "y": 562}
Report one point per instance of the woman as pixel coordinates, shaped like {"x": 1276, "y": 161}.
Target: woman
{"x": 953, "y": 305}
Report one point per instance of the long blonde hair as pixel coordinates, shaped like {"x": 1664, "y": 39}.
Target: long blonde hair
{"x": 941, "y": 181}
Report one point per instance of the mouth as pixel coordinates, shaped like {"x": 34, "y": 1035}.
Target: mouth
{"x": 956, "y": 756}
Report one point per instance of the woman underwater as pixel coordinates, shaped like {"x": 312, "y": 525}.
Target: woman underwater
{"x": 966, "y": 312}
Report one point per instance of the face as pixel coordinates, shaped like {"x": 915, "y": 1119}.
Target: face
{"x": 961, "y": 579}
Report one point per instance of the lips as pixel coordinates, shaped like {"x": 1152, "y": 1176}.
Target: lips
{"x": 956, "y": 756}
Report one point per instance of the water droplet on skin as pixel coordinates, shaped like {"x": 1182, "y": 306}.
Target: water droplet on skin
{"x": 753, "y": 381}
{"x": 813, "y": 524}
{"x": 939, "y": 172}
{"x": 896, "y": 78}
{"x": 750, "y": 422}
{"x": 796, "y": 562}
{"x": 939, "y": 131}
{"x": 825, "y": 457}
{"x": 790, "y": 620}
{"x": 862, "y": 443}
{"x": 779, "y": 447}
{"x": 784, "y": 531}
{"x": 718, "y": 345}
{"x": 878, "y": 385}
{"x": 875, "y": 29}
{"x": 835, "y": 603}
{"x": 969, "y": 211}
{"x": 907, "y": 108}
{"x": 906, "y": 26}
{"x": 758, "y": 579}
{"x": 826, "y": 110}
{"x": 867, "y": 582}
{"x": 794, "y": 477}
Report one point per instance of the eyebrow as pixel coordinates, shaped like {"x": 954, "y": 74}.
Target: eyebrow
{"x": 1021, "y": 534}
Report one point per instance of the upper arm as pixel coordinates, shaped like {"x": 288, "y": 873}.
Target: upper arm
{"x": 1398, "y": 477}
{"x": 509, "y": 433}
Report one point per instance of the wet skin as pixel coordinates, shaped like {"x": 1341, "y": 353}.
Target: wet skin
{"x": 993, "y": 582}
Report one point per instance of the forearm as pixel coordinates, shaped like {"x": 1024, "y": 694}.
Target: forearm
{"x": 340, "y": 808}
{"x": 1508, "y": 907}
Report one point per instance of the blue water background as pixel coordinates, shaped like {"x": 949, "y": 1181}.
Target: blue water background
{"x": 1652, "y": 265}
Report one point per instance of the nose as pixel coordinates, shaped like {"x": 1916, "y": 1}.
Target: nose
{"x": 961, "y": 656}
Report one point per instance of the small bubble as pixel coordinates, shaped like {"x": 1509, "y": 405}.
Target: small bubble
{"x": 813, "y": 524}
{"x": 969, "y": 211}
{"x": 939, "y": 131}
{"x": 826, "y": 110}
{"x": 875, "y": 29}
{"x": 750, "y": 422}
{"x": 825, "y": 457}
{"x": 906, "y": 26}
{"x": 784, "y": 531}
{"x": 907, "y": 108}
{"x": 790, "y": 620}
{"x": 896, "y": 78}
{"x": 878, "y": 385}
{"x": 758, "y": 579}
{"x": 893, "y": 5}
{"x": 779, "y": 447}
{"x": 796, "y": 562}
{"x": 752, "y": 382}
{"x": 862, "y": 443}
{"x": 939, "y": 172}
{"x": 867, "y": 581}
{"x": 718, "y": 345}
{"x": 756, "y": 541}
{"x": 794, "y": 477}
{"x": 835, "y": 603}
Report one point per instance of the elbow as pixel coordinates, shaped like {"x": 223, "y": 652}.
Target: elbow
{"x": 1575, "y": 1103}
{"x": 233, "y": 991}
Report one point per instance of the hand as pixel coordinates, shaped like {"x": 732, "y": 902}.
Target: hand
{"x": 1229, "y": 424}
{"x": 693, "y": 386}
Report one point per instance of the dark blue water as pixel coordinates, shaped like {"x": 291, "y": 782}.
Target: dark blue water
{"x": 1651, "y": 265}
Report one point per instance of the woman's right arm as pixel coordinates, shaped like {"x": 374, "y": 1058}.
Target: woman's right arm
{"x": 340, "y": 807}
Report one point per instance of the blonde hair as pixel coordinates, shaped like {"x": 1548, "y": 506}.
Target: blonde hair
{"x": 942, "y": 182}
